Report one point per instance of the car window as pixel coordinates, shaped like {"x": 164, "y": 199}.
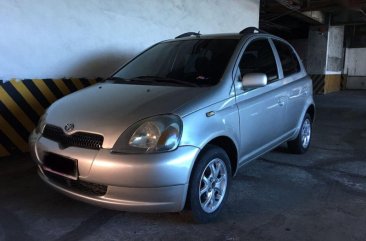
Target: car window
{"x": 258, "y": 58}
{"x": 198, "y": 61}
{"x": 289, "y": 61}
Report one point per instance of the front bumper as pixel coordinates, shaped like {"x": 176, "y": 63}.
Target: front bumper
{"x": 144, "y": 182}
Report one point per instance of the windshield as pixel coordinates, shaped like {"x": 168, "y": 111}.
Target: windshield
{"x": 196, "y": 62}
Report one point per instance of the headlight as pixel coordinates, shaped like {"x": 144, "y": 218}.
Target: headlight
{"x": 41, "y": 123}
{"x": 156, "y": 134}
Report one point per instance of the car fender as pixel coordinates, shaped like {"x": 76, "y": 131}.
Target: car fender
{"x": 218, "y": 120}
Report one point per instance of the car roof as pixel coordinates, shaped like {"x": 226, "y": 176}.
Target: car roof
{"x": 219, "y": 36}
{"x": 208, "y": 36}
{"x": 216, "y": 36}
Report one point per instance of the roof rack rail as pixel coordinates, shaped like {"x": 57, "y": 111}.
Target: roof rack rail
{"x": 188, "y": 34}
{"x": 250, "y": 30}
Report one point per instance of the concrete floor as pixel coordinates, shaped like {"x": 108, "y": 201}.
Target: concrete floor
{"x": 317, "y": 196}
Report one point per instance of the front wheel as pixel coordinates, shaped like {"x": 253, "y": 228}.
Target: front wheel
{"x": 209, "y": 184}
{"x": 302, "y": 142}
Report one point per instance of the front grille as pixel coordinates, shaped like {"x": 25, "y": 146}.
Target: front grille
{"x": 87, "y": 188}
{"x": 78, "y": 139}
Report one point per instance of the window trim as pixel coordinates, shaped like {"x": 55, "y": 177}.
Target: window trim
{"x": 278, "y": 60}
{"x": 236, "y": 74}
{"x": 279, "y": 64}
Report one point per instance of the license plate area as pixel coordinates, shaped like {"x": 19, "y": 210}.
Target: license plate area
{"x": 60, "y": 165}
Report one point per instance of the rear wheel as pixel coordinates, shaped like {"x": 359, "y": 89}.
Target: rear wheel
{"x": 302, "y": 142}
{"x": 209, "y": 184}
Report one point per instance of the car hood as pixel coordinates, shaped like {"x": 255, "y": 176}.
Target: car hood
{"x": 109, "y": 109}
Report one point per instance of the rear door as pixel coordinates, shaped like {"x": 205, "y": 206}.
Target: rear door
{"x": 297, "y": 87}
{"x": 261, "y": 110}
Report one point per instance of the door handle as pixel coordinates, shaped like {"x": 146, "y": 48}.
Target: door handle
{"x": 281, "y": 101}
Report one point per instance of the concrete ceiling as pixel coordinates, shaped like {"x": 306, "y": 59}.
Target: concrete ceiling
{"x": 292, "y": 18}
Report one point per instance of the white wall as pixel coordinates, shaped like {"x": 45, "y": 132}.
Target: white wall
{"x": 354, "y": 67}
{"x": 78, "y": 38}
{"x": 355, "y": 62}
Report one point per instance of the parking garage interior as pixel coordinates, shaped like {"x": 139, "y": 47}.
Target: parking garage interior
{"x": 50, "y": 50}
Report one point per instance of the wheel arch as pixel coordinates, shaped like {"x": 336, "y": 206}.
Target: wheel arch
{"x": 228, "y": 145}
{"x": 311, "y": 111}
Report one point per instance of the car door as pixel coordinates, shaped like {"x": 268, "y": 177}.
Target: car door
{"x": 261, "y": 110}
{"x": 297, "y": 84}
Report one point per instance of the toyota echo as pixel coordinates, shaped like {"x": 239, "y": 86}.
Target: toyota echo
{"x": 171, "y": 127}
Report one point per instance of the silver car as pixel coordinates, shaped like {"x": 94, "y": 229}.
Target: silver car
{"x": 172, "y": 126}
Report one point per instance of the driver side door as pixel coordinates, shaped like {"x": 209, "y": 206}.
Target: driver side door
{"x": 261, "y": 110}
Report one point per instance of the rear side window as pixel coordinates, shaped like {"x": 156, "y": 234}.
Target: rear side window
{"x": 290, "y": 64}
{"x": 258, "y": 58}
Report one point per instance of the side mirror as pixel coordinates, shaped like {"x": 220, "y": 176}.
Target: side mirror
{"x": 254, "y": 80}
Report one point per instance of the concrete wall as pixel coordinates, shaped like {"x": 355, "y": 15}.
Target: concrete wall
{"x": 77, "y": 38}
{"x": 355, "y": 62}
{"x": 354, "y": 67}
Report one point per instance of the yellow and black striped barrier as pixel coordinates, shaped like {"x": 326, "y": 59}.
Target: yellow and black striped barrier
{"x": 318, "y": 83}
{"x": 22, "y": 102}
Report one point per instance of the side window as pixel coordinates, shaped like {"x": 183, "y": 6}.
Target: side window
{"x": 289, "y": 61}
{"x": 258, "y": 58}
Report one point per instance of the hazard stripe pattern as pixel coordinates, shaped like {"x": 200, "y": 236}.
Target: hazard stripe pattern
{"x": 22, "y": 102}
{"x": 318, "y": 83}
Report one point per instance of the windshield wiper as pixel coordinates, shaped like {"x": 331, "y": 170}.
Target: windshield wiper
{"x": 118, "y": 79}
{"x": 130, "y": 81}
{"x": 159, "y": 79}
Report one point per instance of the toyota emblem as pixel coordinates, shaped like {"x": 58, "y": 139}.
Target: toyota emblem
{"x": 69, "y": 127}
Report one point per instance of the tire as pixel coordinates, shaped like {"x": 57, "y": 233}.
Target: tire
{"x": 211, "y": 176}
{"x": 302, "y": 142}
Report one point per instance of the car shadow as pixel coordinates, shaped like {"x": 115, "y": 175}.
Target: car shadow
{"x": 99, "y": 64}
{"x": 282, "y": 149}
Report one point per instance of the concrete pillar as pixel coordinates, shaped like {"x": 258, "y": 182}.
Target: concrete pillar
{"x": 335, "y": 59}
{"x": 325, "y": 57}
{"x": 317, "y": 51}
{"x": 316, "y": 57}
